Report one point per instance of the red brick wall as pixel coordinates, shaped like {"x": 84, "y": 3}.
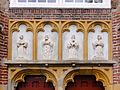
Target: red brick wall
{"x": 60, "y": 14}
{"x": 116, "y": 46}
{"x": 3, "y": 46}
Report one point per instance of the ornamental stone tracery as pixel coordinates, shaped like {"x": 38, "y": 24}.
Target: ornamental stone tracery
{"x": 59, "y": 29}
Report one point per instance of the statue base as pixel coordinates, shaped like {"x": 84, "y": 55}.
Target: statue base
{"x": 98, "y": 58}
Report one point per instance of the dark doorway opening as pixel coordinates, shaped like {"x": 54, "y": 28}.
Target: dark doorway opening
{"x": 85, "y": 82}
{"x": 35, "y": 82}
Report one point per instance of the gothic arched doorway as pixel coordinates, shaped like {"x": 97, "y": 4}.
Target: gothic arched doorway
{"x": 35, "y": 82}
{"x": 84, "y": 82}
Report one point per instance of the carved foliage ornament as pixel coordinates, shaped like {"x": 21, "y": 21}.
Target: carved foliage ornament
{"x": 15, "y": 26}
{"x": 20, "y": 75}
{"x": 41, "y": 25}
{"x": 80, "y": 27}
{"x": 100, "y": 76}
{"x": 104, "y": 27}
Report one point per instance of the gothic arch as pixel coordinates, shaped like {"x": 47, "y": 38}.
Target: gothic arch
{"x": 19, "y": 76}
{"x": 106, "y": 27}
{"x": 54, "y": 29}
{"x": 40, "y": 26}
{"x": 66, "y": 25}
{"x": 71, "y": 28}
{"x": 14, "y": 27}
{"x": 99, "y": 74}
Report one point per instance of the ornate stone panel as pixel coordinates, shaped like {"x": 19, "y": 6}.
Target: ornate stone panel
{"x": 22, "y": 44}
{"x": 47, "y": 44}
{"x": 60, "y": 40}
{"x": 72, "y": 42}
{"x": 98, "y": 42}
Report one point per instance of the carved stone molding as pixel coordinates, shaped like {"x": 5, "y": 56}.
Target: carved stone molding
{"x": 100, "y": 75}
{"x": 40, "y": 26}
{"x": 18, "y": 75}
{"x": 60, "y": 27}
{"x": 66, "y": 25}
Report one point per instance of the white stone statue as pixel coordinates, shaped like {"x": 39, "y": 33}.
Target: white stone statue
{"x": 47, "y": 45}
{"x": 98, "y": 46}
{"x": 21, "y": 48}
{"x": 73, "y": 47}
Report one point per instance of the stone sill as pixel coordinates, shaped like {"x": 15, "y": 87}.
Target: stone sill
{"x": 64, "y": 63}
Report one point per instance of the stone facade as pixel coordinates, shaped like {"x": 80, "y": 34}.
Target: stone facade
{"x": 29, "y": 14}
{"x": 60, "y": 14}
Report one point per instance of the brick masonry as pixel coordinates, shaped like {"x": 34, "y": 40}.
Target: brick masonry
{"x": 60, "y": 14}
{"x": 3, "y": 46}
{"x": 116, "y": 46}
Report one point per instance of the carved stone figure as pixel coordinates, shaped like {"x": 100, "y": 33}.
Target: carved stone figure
{"x": 98, "y": 46}
{"x": 73, "y": 47}
{"x": 47, "y": 45}
{"x": 22, "y": 48}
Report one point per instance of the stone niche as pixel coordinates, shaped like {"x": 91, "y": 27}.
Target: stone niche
{"x": 71, "y": 40}
{"x": 47, "y": 44}
{"x": 72, "y": 44}
{"x": 22, "y": 44}
{"x": 98, "y": 44}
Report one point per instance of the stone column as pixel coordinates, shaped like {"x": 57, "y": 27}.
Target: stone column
{"x": 60, "y": 84}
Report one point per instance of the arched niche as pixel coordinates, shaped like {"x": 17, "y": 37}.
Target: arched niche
{"x": 47, "y": 38}
{"x": 22, "y": 42}
{"x": 100, "y": 76}
{"x": 20, "y": 76}
{"x": 72, "y": 41}
{"x": 98, "y": 41}
{"x": 35, "y": 82}
{"x": 85, "y": 82}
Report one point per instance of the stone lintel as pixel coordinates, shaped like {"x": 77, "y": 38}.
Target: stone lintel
{"x": 64, "y": 63}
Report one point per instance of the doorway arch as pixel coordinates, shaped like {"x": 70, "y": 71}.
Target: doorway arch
{"x": 19, "y": 76}
{"x": 84, "y": 82}
{"x": 35, "y": 82}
